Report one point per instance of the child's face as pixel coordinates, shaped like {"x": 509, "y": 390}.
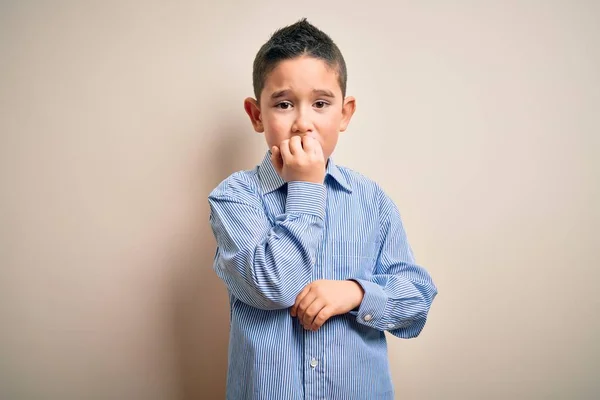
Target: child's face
{"x": 301, "y": 96}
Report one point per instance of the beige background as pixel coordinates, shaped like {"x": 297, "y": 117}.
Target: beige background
{"x": 479, "y": 118}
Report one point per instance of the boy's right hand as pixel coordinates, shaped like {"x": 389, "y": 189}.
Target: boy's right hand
{"x": 299, "y": 159}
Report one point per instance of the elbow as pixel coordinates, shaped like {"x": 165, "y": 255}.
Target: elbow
{"x": 261, "y": 287}
{"x": 276, "y": 292}
{"x": 266, "y": 296}
{"x": 410, "y": 327}
{"x": 428, "y": 293}
{"x": 266, "y": 301}
{"x": 277, "y": 296}
{"x": 411, "y": 323}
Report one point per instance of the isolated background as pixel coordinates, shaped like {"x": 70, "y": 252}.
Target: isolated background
{"x": 117, "y": 118}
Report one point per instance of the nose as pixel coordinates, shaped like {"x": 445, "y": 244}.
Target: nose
{"x": 302, "y": 124}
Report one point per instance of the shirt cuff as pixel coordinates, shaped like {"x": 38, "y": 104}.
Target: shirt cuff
{"x": 306, "y": 198}
{"x": 371, "y": 309}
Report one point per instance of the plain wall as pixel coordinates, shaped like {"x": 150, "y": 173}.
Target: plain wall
{"x": 479, "y": 118}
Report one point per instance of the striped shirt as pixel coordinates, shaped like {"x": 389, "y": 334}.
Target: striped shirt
{"x": 273, "y": 239}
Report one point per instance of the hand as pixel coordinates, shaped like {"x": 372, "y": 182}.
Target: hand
{"x": 299, "y": 159}
{"x": 321, "y": 300}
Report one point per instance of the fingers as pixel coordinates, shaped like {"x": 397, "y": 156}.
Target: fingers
{"x": 276, "y": 159}
{"x": 304, "y": 304}
{"x": 319, "y": 150}
{"x": 312, "y": 306}
{"x": 296, "y": 145}
{"x": 311, "y": 312}
{"x": 299, "y": 298}
{"x": 324, "y": 314}
{"x": 302, "y": 164}
{"x": 309, "y": 144}
{"x": 284, "y": 149}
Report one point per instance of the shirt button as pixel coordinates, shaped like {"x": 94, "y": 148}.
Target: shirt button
{"x": 368, "y": 317}
{"x": 390, "y": 326}
{"x": 314, "y": 363}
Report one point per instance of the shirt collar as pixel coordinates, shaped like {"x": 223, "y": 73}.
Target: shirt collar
{"x": 271, "y": 181}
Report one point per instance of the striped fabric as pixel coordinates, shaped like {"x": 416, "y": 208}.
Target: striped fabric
{"x": 273, "y": 239}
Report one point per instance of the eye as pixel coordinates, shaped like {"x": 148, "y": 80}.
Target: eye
{"x": 284, "y": 105}
{"x": 321, "y": 104}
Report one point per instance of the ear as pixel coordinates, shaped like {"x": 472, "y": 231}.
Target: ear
{"x": 253, "y": 110}
{"x": 347, "y": 111}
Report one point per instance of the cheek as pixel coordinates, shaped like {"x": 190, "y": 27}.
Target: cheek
{"x": 276, "y": 126}
{"x": 273, "y": 122}
{"x": 276, "y": 129}
{"x": 329, "y": 125}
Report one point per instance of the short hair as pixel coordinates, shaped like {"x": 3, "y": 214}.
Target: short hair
{"x": 301, "y": 38}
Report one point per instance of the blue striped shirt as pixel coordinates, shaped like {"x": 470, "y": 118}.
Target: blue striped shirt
{"x": 273, "y": 239}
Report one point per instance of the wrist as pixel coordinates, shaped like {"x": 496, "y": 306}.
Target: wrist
{"x": 306, "y": 198}
{"x": 359, "y": 293}
{"x": 306, "y": 178}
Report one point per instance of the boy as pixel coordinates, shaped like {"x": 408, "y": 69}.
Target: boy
{"x": 314, "y": 255}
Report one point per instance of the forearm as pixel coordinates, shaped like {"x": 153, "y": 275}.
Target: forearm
{"x": 399, "y": 293}
{"x": 396, "y": 303}
{"x": 267, "y": 265}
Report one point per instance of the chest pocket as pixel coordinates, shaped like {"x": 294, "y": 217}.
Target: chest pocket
{"x": 351, "y": 259}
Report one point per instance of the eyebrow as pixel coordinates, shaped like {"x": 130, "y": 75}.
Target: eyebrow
{"x": 284, "y": 93}
{"x": 280, "y": 93}
{"x": 325, "y": 93}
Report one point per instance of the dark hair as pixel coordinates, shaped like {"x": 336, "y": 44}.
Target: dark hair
{"x": 301, "y": 38}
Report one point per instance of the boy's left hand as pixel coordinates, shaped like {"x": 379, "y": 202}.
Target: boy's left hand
{"x": 321, "y": 300}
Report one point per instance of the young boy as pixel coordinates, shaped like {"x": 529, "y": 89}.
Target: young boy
{"x": 314, "y": 255}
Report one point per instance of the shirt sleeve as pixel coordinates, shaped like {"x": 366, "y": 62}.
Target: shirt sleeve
{"x": 399, "y": 294}
{"x": 266, "y": 265}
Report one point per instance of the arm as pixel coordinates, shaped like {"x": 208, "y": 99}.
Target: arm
{"x": 398, "y": 296}
{"x": 262, "y": 265}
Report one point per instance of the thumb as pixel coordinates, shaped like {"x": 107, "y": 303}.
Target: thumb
{"x": 319, "y": 152}
{"x": 276, "y": 159}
